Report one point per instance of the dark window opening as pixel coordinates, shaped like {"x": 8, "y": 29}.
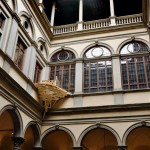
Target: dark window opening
{"x": 96, "y": 9}
{"x": 124, "y": 7}
{"x": 66, "y": 12}
{"x": 2, "y": 20}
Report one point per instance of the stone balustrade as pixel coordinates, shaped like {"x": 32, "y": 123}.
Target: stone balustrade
{"x": 64, "y": 29}
{"x": 129, "y": 19}
{"x": 102, "y": 23}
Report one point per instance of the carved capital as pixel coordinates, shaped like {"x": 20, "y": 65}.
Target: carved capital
{"x": 18, "y": 141}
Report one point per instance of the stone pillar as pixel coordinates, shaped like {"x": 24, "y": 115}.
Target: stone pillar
{"x": 112, "y": 13}
{"x": 80, "y": 23}
{"x": 77, "y": 148}
{"x": 53, "y": 14}
{"x": 32, "y": 63}
{"x": 116, "y": 73}
{"x": 122, "y": 147}
{"x": 11, "y": 44}
{"x": 17, "y": 141}
{"x": 78, "y": 77}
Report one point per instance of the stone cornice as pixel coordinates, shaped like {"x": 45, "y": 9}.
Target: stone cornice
{"x": 101, "y": 109}
{"x": 99, "y": 31}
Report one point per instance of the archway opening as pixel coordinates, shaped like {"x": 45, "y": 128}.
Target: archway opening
{"x": 139, "y": 139}
{"x": 99, "y": 139}
{"x": 6, "y": 131}
{"x": 29, "y": 139}
{"x": 57, "y": 140}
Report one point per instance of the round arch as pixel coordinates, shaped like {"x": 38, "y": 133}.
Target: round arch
{"x": 129, "y": 40}
{"x": 55, "y": 128}
{"x": 16, "y": 117}
{"x": 66, "y": 48}
{"x": 29, "y": 17}
{"x": 96, "y": 127}
{"x": 40, "y": 39}
{"x": 99, "y": 44}
{"x": 130, "y": 129}
{"x": 36, "y": 131}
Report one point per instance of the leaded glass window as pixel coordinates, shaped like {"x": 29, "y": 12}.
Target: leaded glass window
{"x": 63, "y": 70}
{"x": 97, "y": 70}
{"x": 135, "y": 66}
{"x": 20, "y": 53}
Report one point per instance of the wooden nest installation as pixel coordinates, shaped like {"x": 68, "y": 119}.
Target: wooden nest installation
{"x": 50, "y": 93}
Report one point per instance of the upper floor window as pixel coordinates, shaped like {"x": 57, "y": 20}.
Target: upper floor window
{"x": 20, "y": 53}
{"x": 63, "y": 69}
{"x": 135, "y": 65}
{"x": 38, "y": 70}
{"x": 97, "y": 70}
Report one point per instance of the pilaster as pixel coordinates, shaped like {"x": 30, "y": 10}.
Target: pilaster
{"x": 12, "y": 38}
{"x": 78, "y": 77}
{"x": 116, "y": 73}
{"x": 17, "y": 141}
{"x": 32, "y": 63}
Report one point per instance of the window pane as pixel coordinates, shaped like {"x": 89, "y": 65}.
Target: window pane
{"x": 100, "y": 79}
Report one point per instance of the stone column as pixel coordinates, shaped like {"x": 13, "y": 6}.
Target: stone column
{"x": 11, "y": 44}
{"x": 112, "y": 13}
{"x": 78, "y": 77}
{"x": 122, "y": 147}
{"x": 80, "y": 23}
{"x": 17, "y": 141}
{"x": 53, "y": 14}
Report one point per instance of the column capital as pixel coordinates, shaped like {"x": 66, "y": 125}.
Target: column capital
{"x": 18, "y": 141}
{"x": 122, "y": 147}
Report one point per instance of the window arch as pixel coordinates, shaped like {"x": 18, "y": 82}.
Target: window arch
{"x": 135, "y": 65}
{"x": 62, "y": 69}
{"x": 97, "y": 70}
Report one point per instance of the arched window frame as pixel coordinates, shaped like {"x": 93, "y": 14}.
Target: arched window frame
{"x": 102, "y": 84}
{"x": 135, "y": 66}
{"x": 63, "y": 71}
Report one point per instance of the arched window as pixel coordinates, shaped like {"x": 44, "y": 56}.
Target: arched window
{"x": 62, "y": 69}
{"x": 135, "y": 65}
{"x": 97, "y": 70}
